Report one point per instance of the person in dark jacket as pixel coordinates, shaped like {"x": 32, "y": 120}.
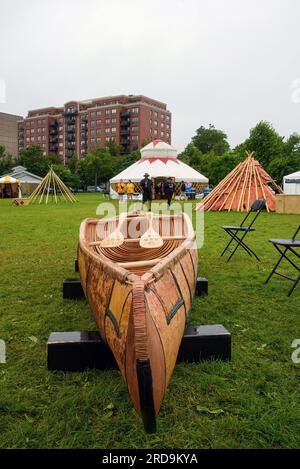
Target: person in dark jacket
{"x": 169, "y": 188}
{"x": 146, "y": 185}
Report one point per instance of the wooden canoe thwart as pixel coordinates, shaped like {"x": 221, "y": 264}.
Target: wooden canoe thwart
{"x": 140, "y": 297}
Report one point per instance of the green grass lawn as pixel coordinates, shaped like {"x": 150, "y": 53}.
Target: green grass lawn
{"x": 254, "y": 401}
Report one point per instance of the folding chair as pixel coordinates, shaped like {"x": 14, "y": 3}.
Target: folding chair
{"x": 234, "y": 231}
{"x": 285, "y": 247}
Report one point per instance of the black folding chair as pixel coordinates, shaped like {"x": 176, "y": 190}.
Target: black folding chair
{"x": 235, "y": 231}
{"x": 287, "y": 247}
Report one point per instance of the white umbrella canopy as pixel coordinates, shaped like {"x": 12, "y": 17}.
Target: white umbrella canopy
{"x": 8, "y": 180}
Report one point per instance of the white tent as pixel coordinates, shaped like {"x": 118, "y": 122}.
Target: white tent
{"x": 291, "y": 183}
{"x": 159, "y": 160}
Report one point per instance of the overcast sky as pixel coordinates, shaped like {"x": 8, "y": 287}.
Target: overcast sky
{"x": 226, "y": 62}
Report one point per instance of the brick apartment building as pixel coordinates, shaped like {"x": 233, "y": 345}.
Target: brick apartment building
{"x": 9, "y": 132}
{"x": 79, "y": 126}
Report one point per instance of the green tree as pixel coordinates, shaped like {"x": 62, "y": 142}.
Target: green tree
{"x": 211, "y": 140}
{"x": 265, "y": 142}
{"x": 289, "y": 162}
{"x": 34, "y": 160}
{"x": 6, "y": 161}
{"x": 114, "y": 149}
{"x": 66, "y": 175}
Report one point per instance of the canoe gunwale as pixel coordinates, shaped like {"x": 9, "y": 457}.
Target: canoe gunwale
{"x": 120, "y": 273}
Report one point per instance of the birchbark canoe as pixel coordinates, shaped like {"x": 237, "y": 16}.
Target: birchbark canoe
{"x": 141, "y": 299}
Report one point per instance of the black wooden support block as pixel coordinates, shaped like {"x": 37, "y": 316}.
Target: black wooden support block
{"x": 78, "y": 351}
{"x": 201, "y": 286}
{"x": 72, "y": 289}
{"x": 76, "y": 265}
{"x": 205, "y": 343}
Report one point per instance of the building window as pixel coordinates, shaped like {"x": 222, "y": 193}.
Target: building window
{"x": 61, "y": 144}
{"x": 113, "y": 111}
{"x": 168, "y": 135}
{"x": 156, "y": 114}
{"x": 168, "y": 118}
{"x": 27, "y": 131}
{"x": 162, "y": 125}
{"x": 44, "y": 129}
{"x": 113, "y": 130}
{"x": 82, "y": 142}
{"x": 39, "y": 130}
{"x": 32, "y": 139}
{"x": 27, "y": 139}
{"x": 136, "y": 119}
{"x": 82, "y": 151}
{"x": 39, "y": 138}
{"x": 107, "y": 130}
{"x": 98, "y": 122}
{"x": 98, "y": 131}
{"x": 61, "y": 137}
{"x": 61, "y": 153}
{"x": 44, "y": 138}
{"x": 98, "y": 113}
{"x": 155, "y": 123}
{"x": 61, "y": 129}
{"x": 162, "y": 134}
{"x": 32, "y": 131}
{"x": 135, "y": 110}
{"x": 114, "y": 120}
{"x": 92, "y": 123}
{"x": 107, "y": 121}
{"x": 108, "y": 139}
{"x": 92, "y": 131}
{"x": 39, "y": 122}
{"x": 98, "y": 140}
{"x": 27, "y": 124}
{"x": 83, "y": 126}
{"x": 44, "y": 121}
{"x": 155, "y": 131}
{"x": 32, "y": 123}
{"x": 92, "y": 114}
{"x": 135, "y": 128}
{"x": 92, "y": 140}
{"x": 162, "y": 117}
{"x": 134, "y": 138}
{"x": 107, "y": 111}
{"x": 167, "y": 126}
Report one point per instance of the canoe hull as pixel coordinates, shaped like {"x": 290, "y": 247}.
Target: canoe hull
{"x": 142, "y": 321}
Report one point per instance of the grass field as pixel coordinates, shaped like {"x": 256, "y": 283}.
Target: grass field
{"x": 254, "y": 401}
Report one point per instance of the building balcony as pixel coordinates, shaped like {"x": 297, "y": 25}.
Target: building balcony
{"x": 71, "y": 129}
{"x": 125, "y": 113}
{"x": 125, "y": 122}
{"x": 125, "y": 132}
{"x": 53, "y": 149}
{"x": 53, "y": 131}
{"x": 70, "y": 120}
{"x": 70, "y": 112}
{"x": 70, "y": 153}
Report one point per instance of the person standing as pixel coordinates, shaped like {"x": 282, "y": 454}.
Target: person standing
{"x": 121, "y": 189}
{"x": 182, "y": 190}
{"x": 169, "y": 188}
{"x": 130, "y": 189}
{"x": 146, "y": 185}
